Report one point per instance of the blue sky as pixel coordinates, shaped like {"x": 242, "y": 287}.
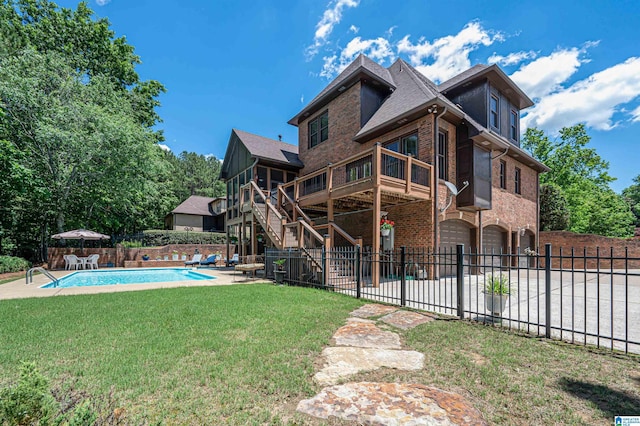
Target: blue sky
{"x": 254, "y": 64}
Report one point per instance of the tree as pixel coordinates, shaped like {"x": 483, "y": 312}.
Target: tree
{"x": 632, "y": 196}
{"x": 582, "y": 178}
{"x": 554, "y": 212}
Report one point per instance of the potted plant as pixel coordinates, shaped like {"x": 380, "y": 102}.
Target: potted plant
{"x": 145, "y": 257}
{"x": 279, "y": 271}
{"x": 174, "y": 255}
{"x": 158, "y": 257}
{"x": 184, "y": 255}
{"x": 496, "y": 294}
{"x": 233, "y": 239}
{"x": 386, "y": 226}
{"x": 260, "y": 238}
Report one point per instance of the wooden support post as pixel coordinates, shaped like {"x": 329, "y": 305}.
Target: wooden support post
{"x": 375, "y": 267}
{"x": 253, "y": 235}
{"x": 327, "y": 258}
{"x": 407, "y": 174}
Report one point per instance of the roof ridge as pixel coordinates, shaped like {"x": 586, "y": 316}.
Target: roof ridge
{"x": 421, "y": 84}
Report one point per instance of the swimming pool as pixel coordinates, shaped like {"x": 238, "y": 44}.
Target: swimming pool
{"x": 128, "y": 276}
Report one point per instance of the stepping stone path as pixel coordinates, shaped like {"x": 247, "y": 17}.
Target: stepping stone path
{"x": 361, "y": 346}
{"x": 391, "y": 404}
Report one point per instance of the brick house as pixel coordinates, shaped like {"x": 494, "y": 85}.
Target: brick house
{"x": 388, "y": 143}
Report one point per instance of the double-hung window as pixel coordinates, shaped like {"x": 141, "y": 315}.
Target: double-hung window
{"x": 443, "y": 149}
{"x": 494, "y": 114}
{"x": 319, "y": 129}
{"x": 503, "y": 174}
{"x": 513, "y": 121}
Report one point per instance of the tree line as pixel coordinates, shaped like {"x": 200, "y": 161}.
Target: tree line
{"x": 78, "y": 142}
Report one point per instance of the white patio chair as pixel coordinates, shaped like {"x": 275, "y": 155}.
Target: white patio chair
{"x": 92, "y": 262}
{"x": 74, "y": 261}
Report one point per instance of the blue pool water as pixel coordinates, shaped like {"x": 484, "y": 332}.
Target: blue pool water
{"x": 130, "y": 276}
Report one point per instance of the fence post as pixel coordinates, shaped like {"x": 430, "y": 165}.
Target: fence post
{"x": 460, "y": 279}
{"x": 403, "y": 276}
{"x": 547, "y": 290}
{"x": 324, "y": 267}
{"x": 358, "y": 271}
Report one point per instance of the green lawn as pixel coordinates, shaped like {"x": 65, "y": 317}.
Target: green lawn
{"x": 245, "y": 354}
{"x": 237, "y": 354}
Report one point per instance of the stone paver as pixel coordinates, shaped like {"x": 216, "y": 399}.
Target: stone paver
{"x": 344, "y": 362}
{"x": 391, "y": 404}
{"x": 373, "y": 310}
{"x": 406, "y": 319}
{"x": 366, "y": 335}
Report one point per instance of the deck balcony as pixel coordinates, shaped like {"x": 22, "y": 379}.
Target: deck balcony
{"x": 351, "y": 183}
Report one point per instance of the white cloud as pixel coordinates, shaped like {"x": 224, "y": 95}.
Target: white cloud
{"x": 545, "y": 75}
{"x": 511, "y": 58}
{"x": 636, "y": 115}
{"x": 592, "y": 101}
{"x": 301, "y": 99}
{"x": 378, "y": 49}
{"x": 102, "y": 2}
{"x": 164, "y": 147}
{"x": 330, "y": 18}
{"x": 354, "y": 29}
{"x": 450, "y": 54}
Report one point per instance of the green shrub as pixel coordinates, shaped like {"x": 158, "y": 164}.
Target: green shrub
{"x": 28, "y": 402}
{"x": 13, "y": 264}
{"x": 498, "y": 284}
{"x": 132, "y": 244}
{"x": 154, "y": 238}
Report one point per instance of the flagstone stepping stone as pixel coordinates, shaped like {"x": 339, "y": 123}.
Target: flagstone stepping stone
{"x": 372, "y": 310}
{"x": 344, "y": 362}
{"x": 406, "y": 319}
{"x": 391, "y": 404}
{"x": 366, "y": 335}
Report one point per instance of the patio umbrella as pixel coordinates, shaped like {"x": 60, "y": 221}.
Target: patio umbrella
{"x": 80, "y": 234}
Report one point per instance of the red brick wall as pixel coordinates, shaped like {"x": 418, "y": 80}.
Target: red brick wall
{"x": 344, "y": 123}
{"x": 588, "y": 244}
{"x": 117, "y": 256}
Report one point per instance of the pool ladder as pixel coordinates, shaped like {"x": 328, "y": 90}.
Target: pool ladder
{"x": 29, "y": 276}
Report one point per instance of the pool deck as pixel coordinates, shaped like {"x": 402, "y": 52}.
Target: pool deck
{"x": 19, "y": 290}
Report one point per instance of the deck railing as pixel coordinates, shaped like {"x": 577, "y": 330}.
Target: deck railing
{"x": 376, "y": 166}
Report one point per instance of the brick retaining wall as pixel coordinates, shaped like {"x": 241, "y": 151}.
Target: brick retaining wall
{"x": 590, "y": 245}
{"x": 110, "y": 257}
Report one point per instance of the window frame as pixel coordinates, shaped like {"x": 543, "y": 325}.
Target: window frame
{"x": 496, "y": 113}
{"x": 503, "y": 174}
{"x": 517, "y": 178}
{"x": 321, "y": 132}
{"x": 513, "y": 125}
{"x": 443, "y": 157}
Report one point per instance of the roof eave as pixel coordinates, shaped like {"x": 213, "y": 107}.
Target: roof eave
{"x": 348, "y": 81}
{"x": 502, "y": 143}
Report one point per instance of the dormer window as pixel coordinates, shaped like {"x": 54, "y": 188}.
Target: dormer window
{"x": 319, "y": 129}
{"x": 494, "y": 116}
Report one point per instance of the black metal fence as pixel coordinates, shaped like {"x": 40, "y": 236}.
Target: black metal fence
{"x": 579, "y": 297}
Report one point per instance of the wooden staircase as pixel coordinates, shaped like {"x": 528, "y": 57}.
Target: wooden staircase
{"x": 298, "y": 232}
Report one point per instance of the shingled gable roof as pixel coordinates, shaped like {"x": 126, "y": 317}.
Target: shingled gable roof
{"x": 269, "y": 149}
{"x": 490, "y": 71}
{"x": 360, "y": 65}
{"x": 195, "y": 205}
{"x": 413, "y": 92}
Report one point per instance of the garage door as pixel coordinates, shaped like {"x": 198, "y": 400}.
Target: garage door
{"x": 493, "y": 242}
{"x": 452, "y": 233}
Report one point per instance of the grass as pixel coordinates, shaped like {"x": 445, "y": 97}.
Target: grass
{"x": 236, "y": 354}
{"x": 520, "y": 380}
{"x": 245, "y": 355}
